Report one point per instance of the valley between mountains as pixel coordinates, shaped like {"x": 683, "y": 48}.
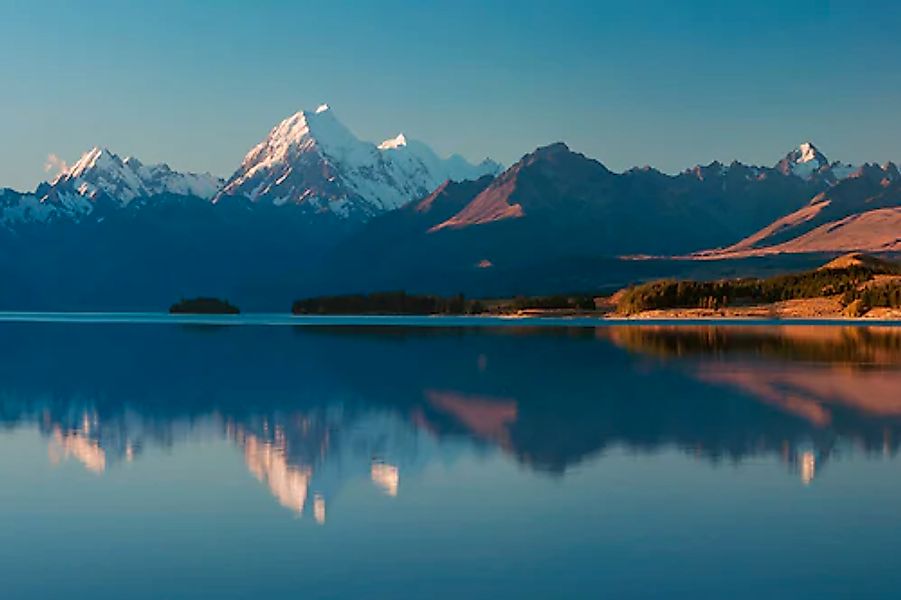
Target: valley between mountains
{"x": 313, "y": 210}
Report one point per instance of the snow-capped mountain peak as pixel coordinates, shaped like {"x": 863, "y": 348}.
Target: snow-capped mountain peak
{"x": 100, "y": 171}
{"x": 808, "y": 152}
{"x": 312, "y": 159}
{"x": 804, "y": 161}
{"x": 96, "y": 157}
{"x": 396, "y": 142}
{"x": 302, "y": 132}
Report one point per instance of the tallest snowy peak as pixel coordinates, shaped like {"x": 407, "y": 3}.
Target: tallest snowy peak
{"x": 312, "y": 159}
{"x": 304, "y": 132}
{"x": 807, "y": 152}
{"x": 95, "y": 158}
{"x": 804, "y": 161}
{"x": 398, "y": 141}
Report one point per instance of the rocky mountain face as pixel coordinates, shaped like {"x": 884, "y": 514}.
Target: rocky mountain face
{"x": 555, "y": 209}
{"x": 556, "y": 181}
{"x": 859, "y": 212}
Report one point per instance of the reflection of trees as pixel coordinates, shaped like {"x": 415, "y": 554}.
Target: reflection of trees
{"x": 803, "y": 370}
{"x": 849, "y": 345}
{"x": 842, "y": 381}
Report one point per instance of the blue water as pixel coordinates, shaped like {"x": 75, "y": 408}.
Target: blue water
{"x": 424, "y": 458}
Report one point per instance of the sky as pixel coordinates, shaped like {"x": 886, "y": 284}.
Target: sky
{"x": 670, "y": 84}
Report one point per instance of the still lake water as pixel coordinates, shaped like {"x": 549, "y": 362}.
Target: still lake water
{"x": 186, "y": 461}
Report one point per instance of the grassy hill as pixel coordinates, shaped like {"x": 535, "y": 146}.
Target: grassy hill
{"x": 859, "y": 281}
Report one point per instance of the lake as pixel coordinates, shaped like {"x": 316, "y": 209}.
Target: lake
{"x": 425, "y": 459}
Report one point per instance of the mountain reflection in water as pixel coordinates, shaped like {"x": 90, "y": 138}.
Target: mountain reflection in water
{"x": 312, "y": 408}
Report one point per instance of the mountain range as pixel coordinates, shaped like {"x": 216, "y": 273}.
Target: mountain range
{"x": 861, "y": 211}
{"x": 313, "y": 209}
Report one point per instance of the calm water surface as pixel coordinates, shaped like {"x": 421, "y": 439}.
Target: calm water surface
{"x": 186, "y": 461}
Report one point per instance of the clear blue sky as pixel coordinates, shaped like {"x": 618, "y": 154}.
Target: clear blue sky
{"x": 671, "y": 84}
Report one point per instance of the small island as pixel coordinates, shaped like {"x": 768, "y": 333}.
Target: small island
{"x": 203, "y": 306}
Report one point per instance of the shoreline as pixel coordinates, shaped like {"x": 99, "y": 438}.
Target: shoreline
{"x": 531, "y": 318}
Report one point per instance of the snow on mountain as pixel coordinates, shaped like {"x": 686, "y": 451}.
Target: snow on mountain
{"x": 100, "y": 176}
{"x": 393, "y": 143}
{"x": 160, "y": 179}
{"x": 312, "y": 159}
{"x": 100, "y": 171}
{"x": 808, "y": 152}
{"x": 807, "y": 162}
{"x": 804, "y": 161}
{"x": 17, "y": 208}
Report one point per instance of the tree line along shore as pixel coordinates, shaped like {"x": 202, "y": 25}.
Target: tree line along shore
{"x": 850, "y": 286}
{"x": 855, "y": 283}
